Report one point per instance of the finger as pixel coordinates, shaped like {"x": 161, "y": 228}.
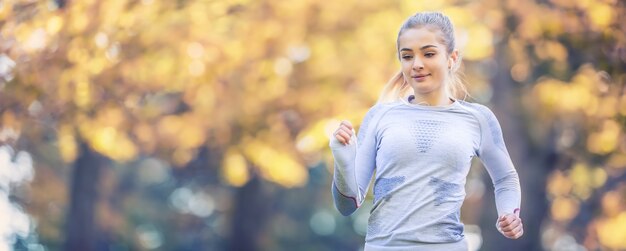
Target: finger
{"x": 516, "y": 232}
{"x": 505, "y": 221}
{"x": 509, "y": 219}
{"x": 518, "y": 228}
{"x": 502, "y": 218}
{"x": 512, "y": 225}
{"x": 512, "y": 229}
{"x": 347, "y": 123}
{"x": 347, "y": 133}
{"x": 346, "y": 130}
{"x": 343, "y": 137}
{"x": 340, "y": 139}
{"x": 519, "y": 234}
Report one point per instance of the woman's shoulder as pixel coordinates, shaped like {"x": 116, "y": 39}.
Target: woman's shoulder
{"x": 378, "y": 110}
{"x": 477, "y": 109}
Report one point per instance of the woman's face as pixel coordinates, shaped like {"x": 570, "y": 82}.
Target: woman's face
{"x": 425, "y": 61}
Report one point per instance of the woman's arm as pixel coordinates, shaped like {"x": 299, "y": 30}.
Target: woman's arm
{"x": 496, "y": 159}
{"x": 354, "y": 162}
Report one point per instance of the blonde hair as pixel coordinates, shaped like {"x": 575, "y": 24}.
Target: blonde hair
{"x": 397, "y": 88}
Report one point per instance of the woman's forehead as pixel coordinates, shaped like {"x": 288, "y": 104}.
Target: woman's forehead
{"x": 419, "y": 37}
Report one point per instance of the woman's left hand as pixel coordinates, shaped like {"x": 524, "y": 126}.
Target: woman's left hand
{"x": 510, "y": 225}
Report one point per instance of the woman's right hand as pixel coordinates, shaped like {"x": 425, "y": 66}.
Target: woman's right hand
{"x": 343, "y": 134}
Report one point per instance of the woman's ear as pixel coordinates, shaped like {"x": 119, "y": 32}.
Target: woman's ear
{"x": 454, "y": 56}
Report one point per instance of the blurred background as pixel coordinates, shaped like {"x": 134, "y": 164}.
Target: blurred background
{"x": 204, "y": 124}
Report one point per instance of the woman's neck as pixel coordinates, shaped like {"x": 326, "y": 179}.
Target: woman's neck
{"x": 432, "y": 99}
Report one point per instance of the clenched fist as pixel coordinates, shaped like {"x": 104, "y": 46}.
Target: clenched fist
{"x": 510, "y": 225}
{"x": 344, "y": 133}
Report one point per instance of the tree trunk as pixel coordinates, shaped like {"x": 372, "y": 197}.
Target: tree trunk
{"x": 250, "y": 215}
{"x": 532, "y": 166}
{"x": 81, "y": 231}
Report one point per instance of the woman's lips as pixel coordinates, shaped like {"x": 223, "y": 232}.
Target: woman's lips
{"x": 420, "y": 78}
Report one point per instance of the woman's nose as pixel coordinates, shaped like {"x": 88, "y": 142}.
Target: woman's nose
{"x": 417, "y": 64}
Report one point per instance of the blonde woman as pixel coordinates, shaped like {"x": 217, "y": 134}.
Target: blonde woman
{"x": 420, "y": 139}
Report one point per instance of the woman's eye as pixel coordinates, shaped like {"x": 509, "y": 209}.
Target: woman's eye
{"x": 407, "y": 57}
{"x": 429, "y": 54}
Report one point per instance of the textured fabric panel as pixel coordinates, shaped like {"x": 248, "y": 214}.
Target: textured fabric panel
{"x": 426, "y": 133}
{"x": 493, "y": 125}
{"x": 444, "y": 191}
{"x": 383, "y": 186}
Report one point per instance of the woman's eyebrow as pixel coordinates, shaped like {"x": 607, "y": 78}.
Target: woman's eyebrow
{"x": 427, "y": 46}
{"x": 421, "y": 48}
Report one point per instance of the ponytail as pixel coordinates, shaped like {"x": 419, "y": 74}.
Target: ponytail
{"x": 395, "y": 89}
{"x": 456, "y": 85}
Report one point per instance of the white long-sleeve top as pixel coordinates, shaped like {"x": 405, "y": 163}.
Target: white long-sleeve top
{"x": 421, "y": 156}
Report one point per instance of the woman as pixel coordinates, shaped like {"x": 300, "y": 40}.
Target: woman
{"x": 420, "y": 140}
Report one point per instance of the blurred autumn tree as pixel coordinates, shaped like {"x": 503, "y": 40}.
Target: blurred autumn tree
{"x": 226, "y": 96}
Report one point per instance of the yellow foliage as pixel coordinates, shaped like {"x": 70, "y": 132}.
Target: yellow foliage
{"x": 559, "y": 185}
{"x": 77, "y": 52}
{"x": 564, "y": 208}
{"x": 145, "y": 136}
{"x": 185, "y": 132}
{"x": 582, "y": 180}
{"x": 411, "y": 6}
{"x": 235, "y": 169}
{"x": 109, "y": 142}
{"x": 622, "y": 105}
{"x": 54, "y": 25}
{"x": 480, "y": 43}
{"x": 459, "y": 16}
{"x": 67, "y": 144}
{"x": 611, "y": 231}
{"x": 96, "y": 65}
{"x": 579, "y": 95}
{"x": 314, "y": 138}
{"x": 530, "y": 28}
{"x": 275, "y": 165}
{"x": 182, "y": 156}
{"x": 201, "y": 98}
{"x": 617, "y": 160}
{"x": 78, "y": 19}
{"x": 82, "y": 96}
{"x": 548, "y": 91}
{"x": 111, "y": 13}
{"x": 553, "y": 23}
{"x": 598, "y": 176}
{"x": 196, "y": 68}
{"x": 552, "y": 50}
{"x": 612, "y": 203}
{"x": 601, "y": 14}
{"x": 605, "y": 140}
{"x": 4, "y": 10}
{"x": 324, "y": 56}
{"x": 607, "y": 107}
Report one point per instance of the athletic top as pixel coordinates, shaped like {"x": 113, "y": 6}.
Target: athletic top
{"x": 421, "y": 155}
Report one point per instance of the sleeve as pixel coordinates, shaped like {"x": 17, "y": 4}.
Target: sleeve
{"x": 495, "y": 157}
{"x": 354, "y": 165}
